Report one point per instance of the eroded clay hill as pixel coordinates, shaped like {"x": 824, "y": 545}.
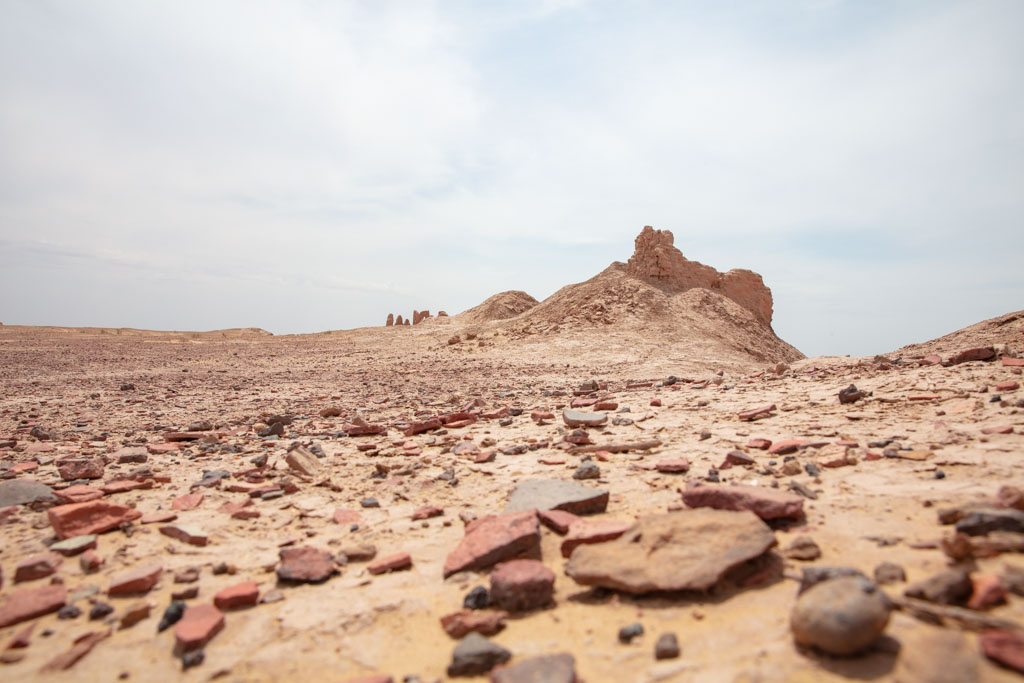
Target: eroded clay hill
{"x": 501, "y": 306}
{"x": 995, "y": 332}
{"x": 660, "y": 294}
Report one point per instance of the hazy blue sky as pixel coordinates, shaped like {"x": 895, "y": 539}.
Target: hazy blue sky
{"x": 309, "y": 165}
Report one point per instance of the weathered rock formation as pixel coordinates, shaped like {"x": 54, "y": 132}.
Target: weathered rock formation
{"x": 657, "y": 260}
{"x": 416, "y": 319}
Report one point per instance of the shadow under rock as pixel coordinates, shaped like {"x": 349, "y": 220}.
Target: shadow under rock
{"x": 878, "y": 661}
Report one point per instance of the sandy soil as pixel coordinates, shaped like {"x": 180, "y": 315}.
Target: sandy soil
{"x": 69, "y": 382}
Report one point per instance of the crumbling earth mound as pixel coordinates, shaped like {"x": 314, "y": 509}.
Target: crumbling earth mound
{"x": 501, "y": 306}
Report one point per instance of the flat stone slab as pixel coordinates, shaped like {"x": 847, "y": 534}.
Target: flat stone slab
{"x": 556, "y": 494}
{"x": 22, "y": 492}
{"x": 186, "y": 533}
{"x": 679, "y": 551}
{"x": 29, "y": 603}
{"x": 74, "y": 545}
{"x": 94, "y": 517}
{"x": 574, "y": 418}
{"x": 766, "y": 503}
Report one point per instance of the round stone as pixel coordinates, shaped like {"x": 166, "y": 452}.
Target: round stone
{"x": 842, "y": 616}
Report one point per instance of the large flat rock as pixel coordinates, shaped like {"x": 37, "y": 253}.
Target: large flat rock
{"x": 555, "y": 494}
{"x": 23, "y": 492}
{"x": 688, "y": 550}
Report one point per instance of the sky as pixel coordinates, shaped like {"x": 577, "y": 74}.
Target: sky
{"x": 310, "y": 165}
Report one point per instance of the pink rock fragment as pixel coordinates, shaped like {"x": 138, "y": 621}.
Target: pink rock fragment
{"x": 244, "y": 594}
{"x": 187, "y": 502}
{"x": 593, "y": 531}
{"x": 391, "y": 563}
{"x": 493, "y": 539}
{"x": 558, "y": 521}
{"x": 135, "y": 581}
{"x": 197, "y": 627}
{"x": 93, "y": 517}
{"x": 29, "y": 603}
{"x": 764, "y": 502}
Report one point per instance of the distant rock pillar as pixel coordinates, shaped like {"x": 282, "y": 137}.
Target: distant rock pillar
{"x": 398, "y": 320}
{"x": 407, "y": 321}
{"x": 391, "y": 320}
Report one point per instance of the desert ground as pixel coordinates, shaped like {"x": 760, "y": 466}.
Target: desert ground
{"x": 322, "y": 504}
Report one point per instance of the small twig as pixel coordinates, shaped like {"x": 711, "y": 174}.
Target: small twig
{"x": 617, "y": 447}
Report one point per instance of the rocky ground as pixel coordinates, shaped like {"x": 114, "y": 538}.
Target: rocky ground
{"x": 344, "y": 505}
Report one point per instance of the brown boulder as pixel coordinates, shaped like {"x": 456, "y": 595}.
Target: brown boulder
{"x": 305, "y": 565}
{"x": 688, "y": 550}
{"x": 80, "y": 469}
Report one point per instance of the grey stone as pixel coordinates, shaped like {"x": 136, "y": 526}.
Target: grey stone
{"x": 22, "y": 492}
{"x": 889, "y": 572}
{"x": 949, "y": 587}
{"x": 628, "y": 633}
{"x": 560, "y": 668}
{"x": 587, "y": 470}
{"x": 475, "y": 655}
{"x": 74, "y": 545}
{"x": 555, "y": 494}
{"x": 982, "y": 522}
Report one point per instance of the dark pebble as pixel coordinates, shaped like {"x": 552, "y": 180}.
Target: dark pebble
{"x": 171, "y": 615}
{"x": 190, "y": 659}
{"x": 667, "y": 646}
{"x": 478, "y": 598}
{"x": 69, "y": 612}
{"x": 100, "y": 610}
{"x": 628, "y": 633}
